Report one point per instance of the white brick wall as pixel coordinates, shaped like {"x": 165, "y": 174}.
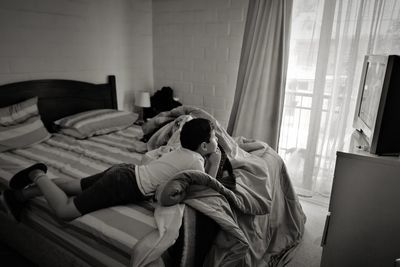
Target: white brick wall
{"x": 191, "y": 45}
{"x": 197, "y": 50}
{"x": 82, "y": 40}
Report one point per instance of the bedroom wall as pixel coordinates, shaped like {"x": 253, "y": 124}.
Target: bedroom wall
{"x": 78, "y": 39}
{"x": 197, "y": 48}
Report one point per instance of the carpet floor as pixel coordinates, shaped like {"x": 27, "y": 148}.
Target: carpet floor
{"x": 309, "y": 252}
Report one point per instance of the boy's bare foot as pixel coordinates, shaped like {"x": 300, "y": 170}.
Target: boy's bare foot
{"x": 22, "y": 179}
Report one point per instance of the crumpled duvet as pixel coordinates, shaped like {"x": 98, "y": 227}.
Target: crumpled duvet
{"x": 261, "y": 221}
{"x": 177, "y": 189}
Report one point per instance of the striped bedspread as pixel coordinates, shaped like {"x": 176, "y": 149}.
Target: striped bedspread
{"x": 115, "y": 230}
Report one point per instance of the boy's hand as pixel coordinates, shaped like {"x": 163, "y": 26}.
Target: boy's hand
{"x": 215, "y": 157}
{"x": 212, "y": 163}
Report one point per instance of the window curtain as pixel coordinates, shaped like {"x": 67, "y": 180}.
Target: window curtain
{"x": 258, "y": 101}
{"x": 329, "y": 40}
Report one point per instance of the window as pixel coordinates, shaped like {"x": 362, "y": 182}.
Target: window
{"x": 329, "y": 40}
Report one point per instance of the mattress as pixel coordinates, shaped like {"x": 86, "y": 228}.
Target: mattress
{"x": 107, "y": 236}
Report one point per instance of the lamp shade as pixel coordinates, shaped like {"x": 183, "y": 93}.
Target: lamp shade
{"x": 143, "y": 100}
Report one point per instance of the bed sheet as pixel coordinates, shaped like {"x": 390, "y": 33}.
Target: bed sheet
{"x": 114, "y": 231}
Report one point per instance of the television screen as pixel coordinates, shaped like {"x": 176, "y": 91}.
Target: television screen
{"x": 371, "y": 92}
{"x": 377, "y": 116}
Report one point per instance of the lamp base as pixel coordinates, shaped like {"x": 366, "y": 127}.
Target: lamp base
{"x": 140, "y": 119}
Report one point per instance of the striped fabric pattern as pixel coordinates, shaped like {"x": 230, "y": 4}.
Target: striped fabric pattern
{"x": 21, "y": 126}
{"x": 117, "y": 229}
{"x": 96, "y": 122}
{"x": 19, "y": 112}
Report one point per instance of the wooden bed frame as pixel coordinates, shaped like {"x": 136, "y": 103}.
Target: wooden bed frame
{"x": 59, "y": 98}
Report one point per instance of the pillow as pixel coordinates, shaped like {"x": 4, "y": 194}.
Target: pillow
{"x": 19, "y": 112}
{"x": 95, "y": 122}
{"x": 21, "y": 126}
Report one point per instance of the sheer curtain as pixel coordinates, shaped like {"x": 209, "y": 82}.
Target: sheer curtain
{"x": 258, "y": 103}
{"x": 329, "y": 40}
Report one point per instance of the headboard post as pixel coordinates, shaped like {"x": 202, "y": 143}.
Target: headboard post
{"x": 113, "y": 87}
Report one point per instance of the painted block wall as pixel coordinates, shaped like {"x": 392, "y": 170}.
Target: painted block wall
{"x": 197, "y": 45}
{"x": 78, "y": 39}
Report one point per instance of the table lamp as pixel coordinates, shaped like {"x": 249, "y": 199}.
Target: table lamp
{"x": 142, "y": 101}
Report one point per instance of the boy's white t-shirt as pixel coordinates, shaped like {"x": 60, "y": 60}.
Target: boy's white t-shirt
{"x": 156, "y": 172}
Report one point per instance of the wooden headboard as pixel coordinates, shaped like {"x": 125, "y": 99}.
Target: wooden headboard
{"x": 59, "y": 98}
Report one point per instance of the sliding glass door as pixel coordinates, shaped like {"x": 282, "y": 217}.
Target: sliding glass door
{"x": 329, "y": 40}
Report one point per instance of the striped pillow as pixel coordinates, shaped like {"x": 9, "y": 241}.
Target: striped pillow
{"x": 19, "y": 112}
{"x": 21, "y": 126}
{"x": 95, "y": 122}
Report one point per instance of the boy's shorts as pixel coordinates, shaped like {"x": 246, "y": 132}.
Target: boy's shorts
{"x": 114, "y": 186}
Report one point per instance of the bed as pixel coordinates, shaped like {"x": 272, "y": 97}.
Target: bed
{"x": 126, "y": 235}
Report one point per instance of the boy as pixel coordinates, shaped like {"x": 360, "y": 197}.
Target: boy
{"x": 120, "y": 184}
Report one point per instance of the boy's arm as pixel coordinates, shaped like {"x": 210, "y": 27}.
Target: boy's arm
{"x": 212, "y": 163}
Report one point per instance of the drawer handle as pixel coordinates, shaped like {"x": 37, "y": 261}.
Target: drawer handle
{"x": 325, "y": 234}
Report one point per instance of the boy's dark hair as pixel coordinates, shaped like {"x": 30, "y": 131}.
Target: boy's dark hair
{"x": 195, "y": 132}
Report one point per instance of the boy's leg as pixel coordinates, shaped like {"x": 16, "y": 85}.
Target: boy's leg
{"x": 69, "y": 186}
{"x": 114, "y": 186}
{"x": 14, "y": 200}
{"x": 58, "y": 200}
